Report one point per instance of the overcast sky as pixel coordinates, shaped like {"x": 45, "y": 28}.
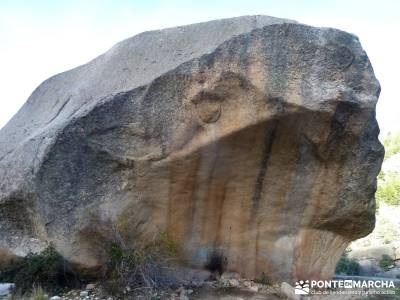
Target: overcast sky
{"x": 40, "y": 38}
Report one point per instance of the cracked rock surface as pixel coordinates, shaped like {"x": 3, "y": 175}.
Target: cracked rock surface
{"x": 253, "y": 139}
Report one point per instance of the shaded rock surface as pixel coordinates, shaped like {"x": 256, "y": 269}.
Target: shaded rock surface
{"x": 251, "y": 141}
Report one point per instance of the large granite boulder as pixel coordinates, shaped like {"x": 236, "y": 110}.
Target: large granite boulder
{"x": 253, "y": 139}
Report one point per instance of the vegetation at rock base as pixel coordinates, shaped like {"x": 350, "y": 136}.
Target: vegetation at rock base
{"x": 263, "y": 279}
{"x": 46, "y": 270}
{"x": 141, "y": 268}
{"x": 38, "y": 294}
{"x": 347, "y": 266}
{"x": 132, "y": 265}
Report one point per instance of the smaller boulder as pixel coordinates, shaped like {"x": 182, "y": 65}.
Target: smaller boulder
{"x": 233, "y": 282}
{"x": 5, "y": 288}
{"x": 369, "y": 267}
{"x": 84, "y": 294}
{"x": 253, "y": 289}
{"x": 90, "y": 286}
{"x": 392, "y": 273}
{"x": 289, "y": 291}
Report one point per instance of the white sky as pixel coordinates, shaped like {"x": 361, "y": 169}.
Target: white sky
{"x": 41, "y": 38}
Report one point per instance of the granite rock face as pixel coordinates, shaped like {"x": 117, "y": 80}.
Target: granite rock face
{"x": 251, "y": 138}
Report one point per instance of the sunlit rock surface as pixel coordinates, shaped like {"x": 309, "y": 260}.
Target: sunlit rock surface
{"x": 252, "y": 138}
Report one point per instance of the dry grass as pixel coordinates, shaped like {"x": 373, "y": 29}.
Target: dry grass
{"x": 141, "y": 267}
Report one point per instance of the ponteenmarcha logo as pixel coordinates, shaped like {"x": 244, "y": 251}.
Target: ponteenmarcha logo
{"x": 307, "y": 287}
{"x": 302, "y": 287}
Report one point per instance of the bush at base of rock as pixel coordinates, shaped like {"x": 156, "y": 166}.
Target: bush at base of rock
{"x": 142, "y": 268}
{"x": 386, "y": 262}
{"x": 347, "y": 266}
{"x": 263, "y": 279}
{"x": 46, "y": 269}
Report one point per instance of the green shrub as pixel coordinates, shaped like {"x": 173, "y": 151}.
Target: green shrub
{"x": 389, "y": 189}
{"x": 46, "y": 270}
{"x": 385, "y": 262}
{"x": 263, "y": 279}
{"x": 347, "y": 266}
{"x": 391, "y": 141}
